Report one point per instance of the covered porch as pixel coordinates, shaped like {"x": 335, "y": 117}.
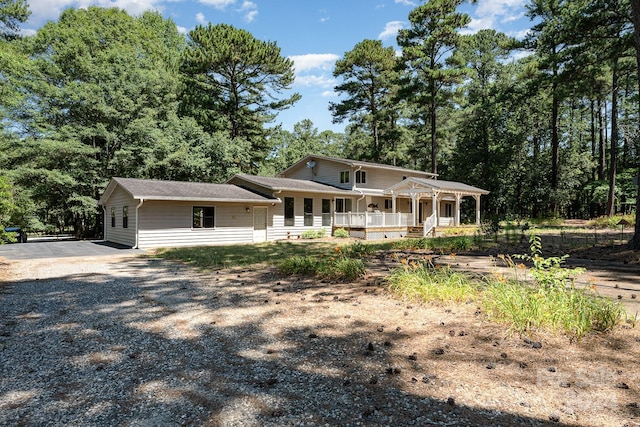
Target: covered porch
{"x": 416, "y": 205}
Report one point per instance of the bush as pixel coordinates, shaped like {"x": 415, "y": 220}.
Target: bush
{"x": 314, "y": 234}
{"x": 341, "y": 233}
{"x": 359, "y": 250}
{"x": 448, "y": 244}
{"x": 337, "y": 267}
{"x": 612, "y": 221}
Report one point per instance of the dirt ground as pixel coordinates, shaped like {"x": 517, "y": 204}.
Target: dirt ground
{"x": 470, "y": 370}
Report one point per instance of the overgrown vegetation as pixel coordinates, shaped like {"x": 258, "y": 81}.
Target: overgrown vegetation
{"x": 550, "y": 301}
{"x": 344, "y": 264}
{"x": 448, "y": 244}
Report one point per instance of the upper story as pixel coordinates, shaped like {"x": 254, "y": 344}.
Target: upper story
{"x": 363, "y": 177}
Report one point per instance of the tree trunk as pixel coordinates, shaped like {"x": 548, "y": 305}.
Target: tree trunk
{"x": 635, "y": 9}
{"x": 601, "y": 142}
{"x": 613, "y": 150}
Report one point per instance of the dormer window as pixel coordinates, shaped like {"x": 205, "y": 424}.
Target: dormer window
{"x": 361, "y": 177}
{"x": 344, "y": 177}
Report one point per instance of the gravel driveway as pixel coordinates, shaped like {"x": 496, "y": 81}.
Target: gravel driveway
{"x": 131, "y": 341}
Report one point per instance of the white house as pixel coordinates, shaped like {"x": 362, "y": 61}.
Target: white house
{"x": 370, "y": 200}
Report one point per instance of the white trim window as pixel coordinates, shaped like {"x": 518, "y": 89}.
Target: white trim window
{"x": 344, "y": 177}
{"x": 361, "y": 177}
{"x": 343, "y": 205}
{"x": 204, "y": 217}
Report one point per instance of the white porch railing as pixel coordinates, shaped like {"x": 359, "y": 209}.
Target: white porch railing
{"x": 372, "y": 219}
{"x": 428, "y": 224}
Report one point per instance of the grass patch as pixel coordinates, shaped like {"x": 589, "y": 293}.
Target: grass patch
{"x": 339, "y": 267}
{"x": 427, "y": 283}
{"x": 216, "y": 257}
{"x": 441, "y": 244}
{"x": 549, "y": 302}
{"x": 528, "y": 309}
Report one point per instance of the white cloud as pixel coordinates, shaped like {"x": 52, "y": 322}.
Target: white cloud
{"x": 218, "y": 4}
{"x": 182, "y": 30}
{"x": 251, "y": 10}
{"x": 405, "y": 2}
{"x": 200, "y": 18}
{"x": 323, "y": 61}
{"x": 329, "y": 94}
{"x": 316, "y": 81}
{"x": 489, "y": 12}
{"x": 391, "y": 30}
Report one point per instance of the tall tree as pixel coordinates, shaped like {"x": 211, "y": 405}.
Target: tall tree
{"x": 428, "y": 48}
{"x": 635, "y": 17}
{"x": 12, "y": 14}
{"x": 234, "y": 82}
{"x": 368, "y": 73}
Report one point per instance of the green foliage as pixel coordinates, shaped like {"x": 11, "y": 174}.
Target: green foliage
{"x": 314, "y": 234}
{"x": 232, "y": 83}
{"x": 340, "y": 266}
{"x": 612, "y": 221}
{"x": 369, "y": 75}
{"x": 7, "y": 207}
{"x": 341, "y": 233}
{"x": 425, "y": 282}
{"x": 12, "y": 14}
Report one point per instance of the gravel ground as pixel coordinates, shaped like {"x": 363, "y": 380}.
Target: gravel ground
{"x": 132, "y": 341}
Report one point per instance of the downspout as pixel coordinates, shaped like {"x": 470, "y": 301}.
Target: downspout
{"x": 354, "y": 188}
{"x": 104, "y": 223}
{"x": 137, "y": 216}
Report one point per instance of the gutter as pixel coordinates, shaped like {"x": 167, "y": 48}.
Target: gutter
{"x": 104, "y": 223}
{"x": 137, "y": 216}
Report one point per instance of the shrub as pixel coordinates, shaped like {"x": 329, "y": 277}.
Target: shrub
{"x": 341, "y": 233}
{"x": 300, "y": 265}
{"x": 314, "y": 234}
{"x": 359, "y": 250}
{"x": 342, "y": 268}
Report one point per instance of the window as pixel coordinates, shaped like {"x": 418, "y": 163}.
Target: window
{"x": 343, "y": 205}
{"x": 388, "y": 204}
{"x": 361, "y": 177}
{"x": 344, "y": 177}
{"x": 308, "y": 212}
{"x": 125, "y": 216}
{"x": 113, "y": 217}
{"x": 289, "y": 218}
{"x": 326, "y": 212}
{"x": 448, "y": 210}
{"x": 204, "y": 216}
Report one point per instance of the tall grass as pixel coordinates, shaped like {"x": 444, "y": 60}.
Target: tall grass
{"x": 427, "y": 283}
{"x": 442, "y": 244}
{"x": 550, "y": 302}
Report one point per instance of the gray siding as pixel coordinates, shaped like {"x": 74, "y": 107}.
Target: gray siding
{"x": 124, "y": 236}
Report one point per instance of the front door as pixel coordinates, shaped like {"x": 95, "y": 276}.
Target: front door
{"x": 259, "y": 224}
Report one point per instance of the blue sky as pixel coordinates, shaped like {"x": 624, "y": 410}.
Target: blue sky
{"x": 314, "y": 33}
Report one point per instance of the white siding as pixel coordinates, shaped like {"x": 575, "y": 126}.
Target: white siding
{"x": 280, "y": 232}
{"x": 124, "y": 236}
{"x": 169, "y": 224}
{"x": 384, "y": 178}
{"x": 326, "y": 172}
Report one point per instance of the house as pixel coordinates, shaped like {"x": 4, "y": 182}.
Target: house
{"x": 370, "y": 200}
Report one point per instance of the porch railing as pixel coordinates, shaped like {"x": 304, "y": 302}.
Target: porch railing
{"x": 428, "y": 225}
{"x": 372, "y": 219}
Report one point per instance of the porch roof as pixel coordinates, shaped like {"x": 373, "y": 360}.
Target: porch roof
{"x": 422, "y": 185}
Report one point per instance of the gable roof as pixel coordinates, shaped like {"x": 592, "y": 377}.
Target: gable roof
{"x": 150, "y": 189}
{"x": 355, "y": 164}
{"x": 434, "y": 184}
{"x": 288, "y": 184}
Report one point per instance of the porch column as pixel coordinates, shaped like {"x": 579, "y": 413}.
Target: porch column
{"x": 393, "y": 203}
{"x": 477, "y": 197}
{"x": 457, "y": 220}
{"x": 414, "y": 208}
{"x": 434, "y": 207}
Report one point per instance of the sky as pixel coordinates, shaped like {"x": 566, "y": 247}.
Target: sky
{"x": 313, "y": 33}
